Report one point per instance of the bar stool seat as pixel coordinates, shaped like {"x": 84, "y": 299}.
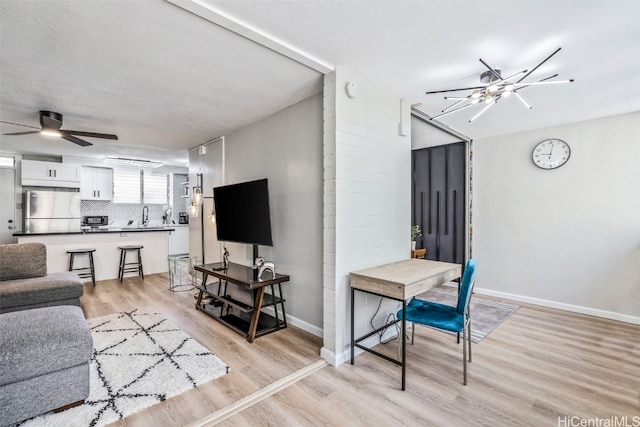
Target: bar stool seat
{"x": 134, "y": 267}
{"x": 84, "y": 271}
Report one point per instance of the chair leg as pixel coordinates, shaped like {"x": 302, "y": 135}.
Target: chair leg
{"x": 464, "y": 354}
{"x": 141, "y": 271}
{"x": 93, "y": 271}
{"x": 122, "y": 261}
{"x": 469, "y": 338}
{"x": 413, "y": 331}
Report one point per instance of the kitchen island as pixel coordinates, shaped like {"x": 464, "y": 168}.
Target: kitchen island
{"x": 106, "y": 241}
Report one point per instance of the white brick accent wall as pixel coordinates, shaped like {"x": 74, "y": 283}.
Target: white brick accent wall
{"x": 367, "y": 201}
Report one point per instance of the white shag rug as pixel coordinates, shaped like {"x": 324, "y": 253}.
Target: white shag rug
{"x": 139, "y": 359}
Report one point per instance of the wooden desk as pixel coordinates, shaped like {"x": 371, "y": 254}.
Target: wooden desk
{"x": 398, "y": 281}
{"x": 243, "y": 318}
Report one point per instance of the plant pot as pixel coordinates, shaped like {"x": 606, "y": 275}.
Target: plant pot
{"x": 413, "y": 245}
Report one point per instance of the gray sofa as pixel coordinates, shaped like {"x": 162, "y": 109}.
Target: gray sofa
{"x": 45, "y": 341}
{"x": 24, "y": 282}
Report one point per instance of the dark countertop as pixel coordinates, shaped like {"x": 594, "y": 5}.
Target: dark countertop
{"x": 96, "y": 231}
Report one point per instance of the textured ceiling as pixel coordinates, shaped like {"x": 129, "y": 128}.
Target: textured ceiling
{"x": 166, "y": 80}
{"x": 410, "y": 47}
{"x": 162, "y": 79}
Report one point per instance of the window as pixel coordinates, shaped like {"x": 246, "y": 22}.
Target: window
{"x": 7, "y": 162}
{"x": 126, "y": 186}
{"x": 155, "y": 189}
{"x": 136, "y": 186}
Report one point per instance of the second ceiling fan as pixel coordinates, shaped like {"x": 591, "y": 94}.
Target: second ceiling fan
{"x": 51, "y": 124}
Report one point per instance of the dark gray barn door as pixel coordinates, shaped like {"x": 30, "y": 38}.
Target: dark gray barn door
{"x": 438, "y": 201}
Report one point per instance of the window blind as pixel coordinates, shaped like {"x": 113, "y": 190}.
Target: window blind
{"x": 155, "y": 189}
{"x": 126, "y": 186}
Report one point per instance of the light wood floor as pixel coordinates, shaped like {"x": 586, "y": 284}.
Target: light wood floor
{"x": 541, "y": 364}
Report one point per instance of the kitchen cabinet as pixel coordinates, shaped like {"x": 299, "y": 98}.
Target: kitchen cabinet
{"x": 96, "y": 183}
{"x": 179, "y": 240}
{"x": 48, "y": 174}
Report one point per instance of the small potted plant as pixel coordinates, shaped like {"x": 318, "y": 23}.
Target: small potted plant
{"x": 415, "y": 232}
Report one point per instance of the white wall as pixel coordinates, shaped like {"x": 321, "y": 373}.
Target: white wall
{"x": 211, "y": 166}
{"x": 569, "y": 237}
{"x": 286, "y": 148}
{"x": 367, "y": 201}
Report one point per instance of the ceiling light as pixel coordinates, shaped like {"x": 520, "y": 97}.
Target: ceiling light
{"x": 131, "y": 162}
{"x": 51, "y": 132}
{"x": 481, "y": 111}
{"x": 493, "y": 87}
{"x": 193, "y": 210}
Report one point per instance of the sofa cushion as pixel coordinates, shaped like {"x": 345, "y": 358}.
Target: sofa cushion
{"x": 42, "y": 340}
{"x": 40, "y": 290}
{"x": 23, "y": 261}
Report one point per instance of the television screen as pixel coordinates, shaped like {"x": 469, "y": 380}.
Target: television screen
{"x": 242, "y": 213}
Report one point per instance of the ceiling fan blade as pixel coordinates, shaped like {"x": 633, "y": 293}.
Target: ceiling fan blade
{"x": 90, "y": 134}
{"x": 536, "y": 67}
{"x": 18, "y": 124}
{"x": 22, "y": 133}
{"x": 75, "y": 140}
{"x": 455, "y": 90}
{"x": 494, "y": 72}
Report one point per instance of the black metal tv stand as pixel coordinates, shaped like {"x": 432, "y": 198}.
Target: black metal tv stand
{"x": 246, "y": 319}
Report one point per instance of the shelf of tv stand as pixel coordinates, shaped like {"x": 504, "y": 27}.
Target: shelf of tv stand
{"x": 236, "y": 314}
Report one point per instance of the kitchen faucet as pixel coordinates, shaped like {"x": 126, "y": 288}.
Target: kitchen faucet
{"x": 145, "y": 215}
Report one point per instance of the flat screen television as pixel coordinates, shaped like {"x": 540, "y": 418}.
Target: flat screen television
{"x": 242, "y": 213}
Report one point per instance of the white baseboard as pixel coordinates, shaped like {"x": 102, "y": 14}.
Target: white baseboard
{"x": 305, "y": 326}
{"x": 627, "y": 318}
{"x": 336, "y": 359}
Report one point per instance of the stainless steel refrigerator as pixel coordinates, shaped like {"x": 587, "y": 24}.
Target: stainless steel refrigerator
{"x": 51, "y": 211}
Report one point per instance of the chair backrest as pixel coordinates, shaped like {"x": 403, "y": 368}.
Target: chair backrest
{"x": 468, "y": 277}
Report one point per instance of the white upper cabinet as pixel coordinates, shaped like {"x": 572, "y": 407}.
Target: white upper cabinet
{"x": 96, "y": 184}
{"x": 46, "y": 174}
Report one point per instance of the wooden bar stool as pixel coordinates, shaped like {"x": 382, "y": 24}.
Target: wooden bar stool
{"x": 123, "y": 261}
{"x": 85, "y": 271}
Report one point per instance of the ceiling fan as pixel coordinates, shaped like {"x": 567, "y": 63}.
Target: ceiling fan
{"x": 51, "y": 122}
{"x": 493, "y": 88}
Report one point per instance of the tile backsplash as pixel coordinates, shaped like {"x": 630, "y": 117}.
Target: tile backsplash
{"x": 121, "y": 213}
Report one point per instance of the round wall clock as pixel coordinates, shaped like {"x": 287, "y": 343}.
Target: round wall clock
{"x": 551, "y": 153}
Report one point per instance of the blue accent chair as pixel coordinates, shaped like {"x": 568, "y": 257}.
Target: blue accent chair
{"x": 445, "y": 317}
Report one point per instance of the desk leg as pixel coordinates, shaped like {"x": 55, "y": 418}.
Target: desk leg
{"x": 352, "y": 325}
{"x": 404, "y": 342}
{"x": 257, "y": 307}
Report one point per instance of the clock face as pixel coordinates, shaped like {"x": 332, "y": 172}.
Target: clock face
{"x": 551, "y": 153}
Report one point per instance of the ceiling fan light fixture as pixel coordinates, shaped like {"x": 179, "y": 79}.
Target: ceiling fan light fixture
{"x": 476, "y": 94}
{"x": 489, "y": 99}
{"x": 493, "y": 89}
{"x": 51, "y": 132}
